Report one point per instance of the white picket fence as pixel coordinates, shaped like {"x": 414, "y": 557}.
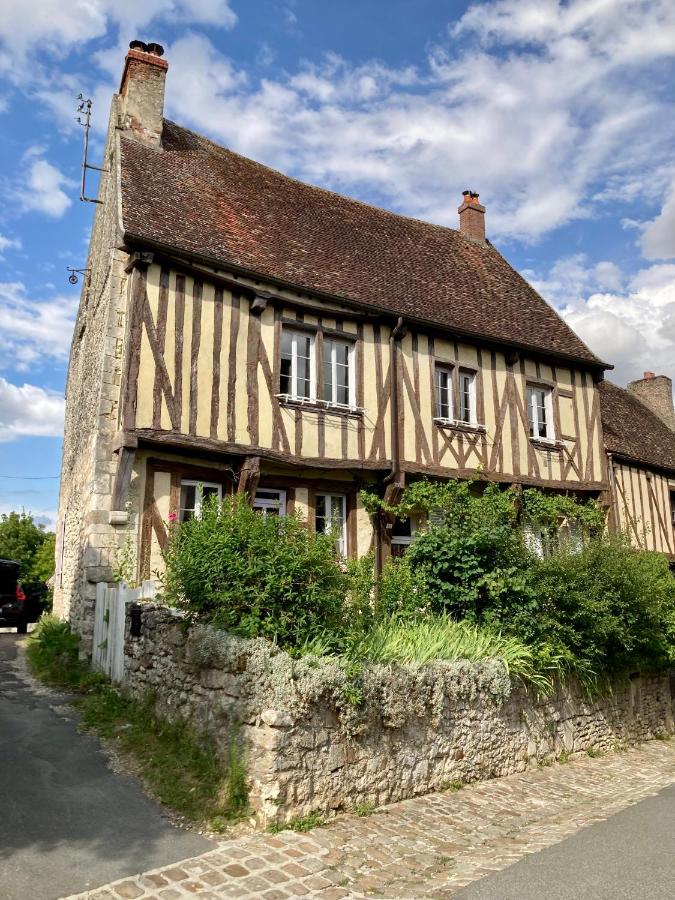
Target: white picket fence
{"x": 109, "y": 621}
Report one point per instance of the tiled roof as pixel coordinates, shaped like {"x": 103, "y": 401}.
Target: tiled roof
{"x": 198, "y": 198}
{"x": 632, "y": 430}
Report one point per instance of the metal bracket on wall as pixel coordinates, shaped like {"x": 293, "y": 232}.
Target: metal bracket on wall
{"x": 84, "y": 109}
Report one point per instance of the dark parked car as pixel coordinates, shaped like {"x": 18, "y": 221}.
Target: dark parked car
{"x": 16, "y": 608}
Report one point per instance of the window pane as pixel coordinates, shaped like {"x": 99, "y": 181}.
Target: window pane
{"x": 327, "y": 376}
{"x": 285, "y": 376}
{"x": 465, "y": 380}
{"x": 188, "y": 498}
{"x": 320, "y": 515}
{"x": 443, "y": 394}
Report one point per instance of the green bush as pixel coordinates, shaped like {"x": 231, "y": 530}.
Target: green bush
{"x": 609, "y": 606}
{"x": 52, "y": 651}
{"x": 253, "y": 575}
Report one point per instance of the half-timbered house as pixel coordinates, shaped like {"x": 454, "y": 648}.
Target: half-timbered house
{"x": 240, "y": 331}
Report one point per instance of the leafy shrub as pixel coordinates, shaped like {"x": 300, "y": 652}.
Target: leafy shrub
{"x": 52, "y": 651}
{"x": 610, "y": 607}
{"x": 253, "y": 575}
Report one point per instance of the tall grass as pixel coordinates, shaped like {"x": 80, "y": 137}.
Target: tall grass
{"x": 441, "y": 638}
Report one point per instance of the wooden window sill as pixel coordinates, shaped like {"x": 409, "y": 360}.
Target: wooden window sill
{"x": 544, "y": 444}
{"x": 454, "y": 425}
{"x": 309, "y": 405}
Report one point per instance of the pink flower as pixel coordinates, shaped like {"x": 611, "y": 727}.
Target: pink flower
{"x": 172, "y": 517}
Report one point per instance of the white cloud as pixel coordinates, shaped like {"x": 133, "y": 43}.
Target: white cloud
{"x": 8, "y": 244}
{"x": 632, "y": 328}
{"x": 41, "y": 186}
{"x": 28, "y": 410}
{"x": 658, "y": 236}
{"x": 41, "y": 28}
{"x": 34, "y": 330}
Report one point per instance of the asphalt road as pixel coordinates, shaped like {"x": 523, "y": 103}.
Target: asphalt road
{"x": 67, "y": 822}
{"x": 629, "y": 856}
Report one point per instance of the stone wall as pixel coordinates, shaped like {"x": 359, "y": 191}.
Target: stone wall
{"x": 319, "y": 738}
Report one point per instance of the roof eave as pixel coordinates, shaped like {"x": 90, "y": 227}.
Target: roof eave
{"x": 130, "y": 238}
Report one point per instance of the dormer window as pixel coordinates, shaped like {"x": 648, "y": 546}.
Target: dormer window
{"x": 540, "y": 412}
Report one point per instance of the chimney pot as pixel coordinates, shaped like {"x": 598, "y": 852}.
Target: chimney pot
{"x": 472, "y": 216}
{"x": 141, "y": 95}
{"x": 649, "y": 375}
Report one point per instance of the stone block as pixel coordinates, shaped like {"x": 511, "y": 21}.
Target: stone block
{"x": 276, "y": 719}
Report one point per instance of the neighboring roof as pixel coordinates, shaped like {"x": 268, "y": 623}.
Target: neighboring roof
{"x": 632, "y": 430}
{"x": 198, "y": 198}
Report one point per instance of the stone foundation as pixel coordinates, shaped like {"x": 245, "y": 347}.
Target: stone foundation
{"x": 318, "y": 739}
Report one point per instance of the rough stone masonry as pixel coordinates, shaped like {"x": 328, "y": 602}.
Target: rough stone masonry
{"x": 319, "y": 739}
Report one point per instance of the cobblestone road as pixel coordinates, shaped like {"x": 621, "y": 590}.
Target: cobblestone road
{"x": 423, "y": 848}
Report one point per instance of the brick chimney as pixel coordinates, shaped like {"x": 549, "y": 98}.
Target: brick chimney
{"x": 472, "y": 217}
{"x": 656, "y": 392}
{"x": 142, "y": 92}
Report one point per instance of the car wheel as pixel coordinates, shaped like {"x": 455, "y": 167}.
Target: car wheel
{"x": 22, "y": 628}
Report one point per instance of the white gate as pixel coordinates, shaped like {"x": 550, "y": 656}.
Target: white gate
{"x": 109, "y": 622}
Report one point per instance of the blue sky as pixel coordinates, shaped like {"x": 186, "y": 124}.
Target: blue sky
{"x": 561, "y": 114}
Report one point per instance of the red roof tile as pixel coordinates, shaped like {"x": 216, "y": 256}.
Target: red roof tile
{"x": 632, "y": 430}
{"x": 201, "y": 199}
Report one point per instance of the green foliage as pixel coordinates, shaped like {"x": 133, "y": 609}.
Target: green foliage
{"x": 434, "y": 638}
{"x": 364, "y": 809}
{"x": 610, "y": 607}
{"x": 52, "y": 651}
{"x": 301, "y": 823}
{"x": 253, "y": 575}
{"x": 597, "y": 609}
{"x": 29, "y": 545}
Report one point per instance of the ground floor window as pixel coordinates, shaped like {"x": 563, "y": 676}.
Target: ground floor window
{"x": 331, "y": 518}
{"x": 192, "y": 496}
{"x": 270, "y": 502}
{"x": 402, "y": 535}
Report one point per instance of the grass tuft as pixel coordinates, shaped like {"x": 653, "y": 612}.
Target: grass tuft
{"x": 442, "y": 638}
{"x": 300, "y": 823}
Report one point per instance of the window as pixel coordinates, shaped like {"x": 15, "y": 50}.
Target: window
{"x": 192, "y": 496}
{"x": 467, "y": 397}
{"x": 331, "y": 518}
{"x": 443, "y": 393}
{"x": 540, "y": 412}
{"x": 338, "y": 377}
{"x": 297, "y": 372}
{"x": 402, "y": 535}
{"x": 270, "y": 502}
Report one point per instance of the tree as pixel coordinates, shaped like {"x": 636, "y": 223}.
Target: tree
{"x": 21, "y": 539}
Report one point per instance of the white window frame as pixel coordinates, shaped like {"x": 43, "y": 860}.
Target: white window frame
{"x": 197, "y": 484}
{"x": 447, "y": 371}
{"x": 263, "y": 504}
{"x": 467, "y": 373}
{"x": 533, "y": 412}
{"x": 406, "y": 540}
{"x": 295, "y": 334}
{"x": 342, "y": 540}
{"x": 351, "y": 370}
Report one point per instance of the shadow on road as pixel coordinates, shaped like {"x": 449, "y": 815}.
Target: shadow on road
{"x": 67, "y": 821}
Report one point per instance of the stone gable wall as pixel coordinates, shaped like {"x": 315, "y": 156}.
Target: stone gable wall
{"x": 317, "y": 739}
